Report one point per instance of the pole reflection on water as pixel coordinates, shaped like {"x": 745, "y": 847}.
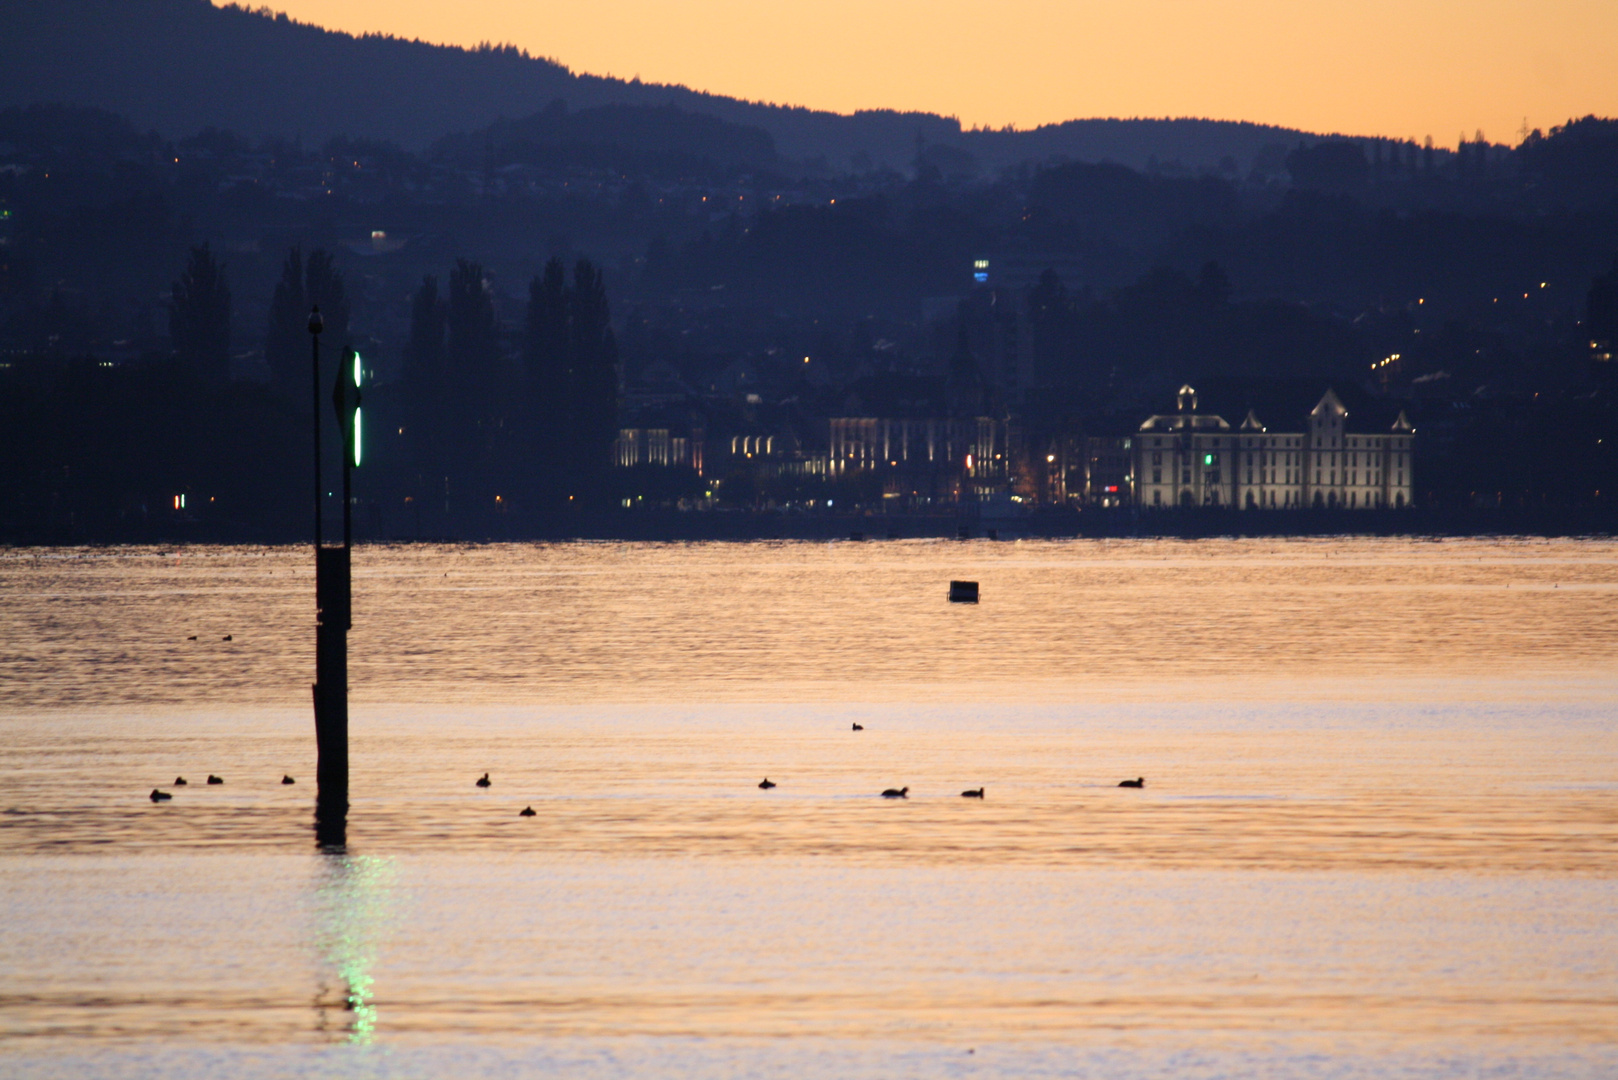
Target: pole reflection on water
{"x": 353, "y": 913}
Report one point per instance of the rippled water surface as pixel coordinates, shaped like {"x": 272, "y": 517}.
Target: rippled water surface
{"x": 1378, "y": 836}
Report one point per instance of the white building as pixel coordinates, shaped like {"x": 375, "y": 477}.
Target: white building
{"x": 1192, "y": 458}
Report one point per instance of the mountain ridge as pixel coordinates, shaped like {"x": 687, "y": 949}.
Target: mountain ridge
{"x": 183, "y": 65}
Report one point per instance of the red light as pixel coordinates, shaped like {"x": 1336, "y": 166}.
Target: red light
{"x": 1113, "y": 489}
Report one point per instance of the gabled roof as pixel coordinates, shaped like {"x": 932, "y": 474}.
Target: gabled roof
{"x": 1285, "y": 405}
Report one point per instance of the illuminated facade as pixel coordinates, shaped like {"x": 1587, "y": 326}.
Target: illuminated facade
{"x": 1192, "y": 458}
{"x": 656, "y": 446}
{"x": 928, "y": 459}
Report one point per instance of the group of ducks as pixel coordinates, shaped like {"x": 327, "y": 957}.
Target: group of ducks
{"x": 159, "y": 795}
{"x": 766, "y": 784}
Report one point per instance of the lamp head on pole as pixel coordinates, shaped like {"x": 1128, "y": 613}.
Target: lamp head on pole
{"x": 316, "y": 323}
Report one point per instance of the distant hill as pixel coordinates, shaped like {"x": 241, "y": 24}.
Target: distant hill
{"x": 179, "y": 66}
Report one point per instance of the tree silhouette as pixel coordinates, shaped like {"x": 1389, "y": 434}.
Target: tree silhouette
{"x": 323, "y": 285}
{"x": 199, "y": 316}
{"x": 286, "y": 348}
{"x": 595, "y": 377}
{"x": 548, "y": 359}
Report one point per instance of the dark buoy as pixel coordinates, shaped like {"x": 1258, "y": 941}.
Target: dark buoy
{"x": 179, "y": 781}
{"x": 896, "y": 793}
{"x": 972, "y": 793}
{"x": 859, "y": 727}
{"x": 227, "y": 637}
{"x": 1139, "y": 781}
{"x": 288, "y": 780}
{"x": 527, "y": 811}
{"x": 483, "y": 781}
{"x": 766, "y": 783}
{"x": 160, "y": 796}
{"x": 212, "y": 779}
{"x": 963, "y": 592}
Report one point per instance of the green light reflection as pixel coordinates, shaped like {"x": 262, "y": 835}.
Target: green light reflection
{"x": 352, "y": 905}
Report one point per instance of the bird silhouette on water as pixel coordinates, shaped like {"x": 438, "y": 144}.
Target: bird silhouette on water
{"x": 193, "y": 637}
{"x": 227, "y": 637}
{"x": 179, "y": 781}
{"x": 1139, "y": 781}
{"x": 483, "y": 781}
{"x": 527, "y": 811}
{"x": 859, "y": 727}
{"x": 896, "y": 793}
{"x": 766, "y": 783}
{"x": 288, "y": 780}
{"x": 160, "y": 796}
{"x": 972, "y": 793}
{"x": 212, "y": 779}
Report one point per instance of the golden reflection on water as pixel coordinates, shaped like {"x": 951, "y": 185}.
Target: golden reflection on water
{"x": 1381, "y": 799}
{"x": 594, "y": 622}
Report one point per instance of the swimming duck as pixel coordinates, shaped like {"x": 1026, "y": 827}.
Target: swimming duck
{"x": 160, "y": 796}
{"x": 527, "y": 811}
{"x": 227, "y": 637}
{"x": 896, "y": 793}
{"x": 1139, "y": 781}
{"x": 212, "y": 779}
{"x": 859, "y": 727}
{"x": 287, "y": 780}
{"x": 179, "y": 781}
{"x": 766, "y": 783}
{"x": 972, "y": 793}
{"x": 483, "y": 781}
{"x": 193, "y": 637}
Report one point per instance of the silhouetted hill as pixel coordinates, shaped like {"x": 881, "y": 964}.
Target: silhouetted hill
{"x": 636, "y": 137}
{"x": 183, "y": 65}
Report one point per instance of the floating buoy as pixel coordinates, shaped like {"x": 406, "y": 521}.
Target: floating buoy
{"x": 963, "y": 592}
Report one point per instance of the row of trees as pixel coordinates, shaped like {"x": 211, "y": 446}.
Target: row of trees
{"x": 528, "y": 415}
{"x": 489, "y": 425}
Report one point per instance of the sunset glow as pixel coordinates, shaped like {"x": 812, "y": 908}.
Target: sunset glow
{"x": 1370, "y": 67}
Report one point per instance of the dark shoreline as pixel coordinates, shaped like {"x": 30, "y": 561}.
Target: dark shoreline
{"x": 678, "y": 527}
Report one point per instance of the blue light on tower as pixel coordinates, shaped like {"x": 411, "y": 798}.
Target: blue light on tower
{"x": 980, "y": 271}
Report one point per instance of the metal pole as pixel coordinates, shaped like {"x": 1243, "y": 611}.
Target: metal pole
{"x": 316, "y": 324}
{"x": 331, "y": 651}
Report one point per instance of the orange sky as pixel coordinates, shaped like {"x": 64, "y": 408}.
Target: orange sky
{"x": 1401, "y": 68}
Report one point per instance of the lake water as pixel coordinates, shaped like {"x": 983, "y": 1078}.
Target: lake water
{"x": 1378, "y": 836}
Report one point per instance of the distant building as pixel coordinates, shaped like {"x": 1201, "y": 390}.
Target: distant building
{"x": 1342, "y": 460}
{"x": 1108, "y": 470}
{"x": 658, "y": 446}
{"x": 926, "y": 459}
